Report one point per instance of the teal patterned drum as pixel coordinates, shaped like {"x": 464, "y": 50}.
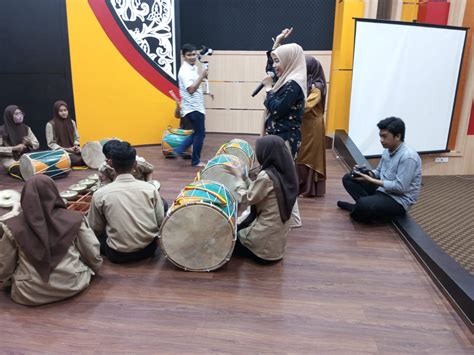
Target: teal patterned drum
{"x": 174, "y": 137}
{"x": 241, "y": 149}
{"x": 199, "y": 231}
{"x": 53, "y": 163}
{"x": 227, "y": 170}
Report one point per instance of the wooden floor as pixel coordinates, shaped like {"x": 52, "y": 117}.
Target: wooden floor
{"x": 341, "y": 288}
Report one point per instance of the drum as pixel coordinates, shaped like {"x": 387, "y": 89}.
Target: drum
{"x": 92, "y": 153}
{"x": 199, "y": 231}
{"x": 241, "y": 149}
{"x": 227, "y": 170}
{"x": 53, "y": 163}
{"x": 174, "y": 137}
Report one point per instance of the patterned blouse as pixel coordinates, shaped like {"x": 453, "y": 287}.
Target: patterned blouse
{"x": 285, "y": 111}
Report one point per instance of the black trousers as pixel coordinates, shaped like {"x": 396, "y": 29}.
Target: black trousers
{"x": 120, "y": 257}
{"x": 242, "y": 250}
{"x": 371, "y": 205}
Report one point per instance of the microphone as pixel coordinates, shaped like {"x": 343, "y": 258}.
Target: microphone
{"x": 260, "y": 86}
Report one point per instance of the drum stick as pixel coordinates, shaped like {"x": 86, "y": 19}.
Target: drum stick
{"x": 173, "y": 95}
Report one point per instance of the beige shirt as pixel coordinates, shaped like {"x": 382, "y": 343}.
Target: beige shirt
{"x": 72, "y": 275}
{"x": 6, "y": 152}
{"x": 142, "y": 171}
{"x": 266, "y": 236}
{"x": 129, "y": 210}
{"x": 51, "y": 137}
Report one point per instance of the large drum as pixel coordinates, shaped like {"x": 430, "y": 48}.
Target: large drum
{"x": 174, "y": 137}
{"x": 53, "y": 163}
{"x": 92, "y": 153}
{"x": 199, "y": 231}
{"x": 227, "y": 170}
{"x": 241, "y": 149}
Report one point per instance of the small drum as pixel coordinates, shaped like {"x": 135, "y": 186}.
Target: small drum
{"x": 53, "y": 163}
{"x": 241, "y": 149}
{"x": 199, "y": 231}
{"x": 92, "y": 153}
{"x": 173, "y": 138}
{"x": 227, "y": 170}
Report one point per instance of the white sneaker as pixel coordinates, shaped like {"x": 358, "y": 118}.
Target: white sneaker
{"x": 200, "y": 164}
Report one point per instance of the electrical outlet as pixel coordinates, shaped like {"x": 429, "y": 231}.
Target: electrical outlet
{"x": 441, "y": 160}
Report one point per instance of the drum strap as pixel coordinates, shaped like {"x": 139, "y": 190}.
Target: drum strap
{"x": 14, "y": 171}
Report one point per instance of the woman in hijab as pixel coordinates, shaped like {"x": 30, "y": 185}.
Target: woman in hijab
{"x": 61, "y": 133}
{"x": 311, "y": 161}
{"x": 285, "y": 99}
{"x": 47, "y": 253}
{"x": 271, "y": 197}
{"x": 16, "y": 138}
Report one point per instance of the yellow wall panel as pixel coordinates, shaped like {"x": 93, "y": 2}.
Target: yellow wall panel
{"x": 409, "y": 11}
{"x": 111, "y": 97}
{"x": 344, "y": 27}
{"x": 341, "y": 64}
{"x": 339, "y": 101}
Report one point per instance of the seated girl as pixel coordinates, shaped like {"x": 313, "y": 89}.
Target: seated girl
{"x": 272, "y": 195}
{"x": 61, "y": 133}
{"x": 47, "y": 253}
{"x": 16, "y": 138}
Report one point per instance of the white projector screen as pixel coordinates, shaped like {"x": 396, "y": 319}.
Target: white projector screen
{"x": 409, "y": 71}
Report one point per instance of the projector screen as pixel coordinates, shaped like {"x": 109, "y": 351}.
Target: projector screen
{"x": 409, "y": 71}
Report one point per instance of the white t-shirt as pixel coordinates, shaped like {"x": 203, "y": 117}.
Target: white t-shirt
{"x": 187, "y": 75}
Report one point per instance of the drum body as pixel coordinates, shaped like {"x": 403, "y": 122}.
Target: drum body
{"x": 241, "y": 149}
{"x": 92, "y": 153}
{"x": 199, "y": 231}
{"x": 227, "y": 170}
{"x": 53, "y": 163}
{"x": 173, "y": 138}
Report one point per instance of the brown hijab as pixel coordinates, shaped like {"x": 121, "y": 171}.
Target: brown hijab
{"x": 45, "y": 229}
{"x": 316, "y": 77}
{"x": 275, "y": 158}
{"x": 63, "y": 128}
{"x": 12, "y": 132}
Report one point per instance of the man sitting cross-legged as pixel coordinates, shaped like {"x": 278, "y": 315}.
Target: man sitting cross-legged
{"x": 126, "y": 214}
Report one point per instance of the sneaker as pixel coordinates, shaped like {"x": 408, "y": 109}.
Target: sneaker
{"x": 200, "y": 164}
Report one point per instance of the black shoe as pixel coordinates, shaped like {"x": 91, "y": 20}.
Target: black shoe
{"x": 345, "y": 205}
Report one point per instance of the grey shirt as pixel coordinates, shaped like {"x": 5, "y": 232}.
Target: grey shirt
{"x": 400, "y": 172}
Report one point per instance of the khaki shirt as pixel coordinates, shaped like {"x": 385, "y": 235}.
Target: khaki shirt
{"x": 266, "y": 236}
{"x": 51, "y": 137}
{"x": 6, "y": 152}
{"x": 130, "y": 211}
{"x": 72, "y": 275}
{"x": 141, "y": 171}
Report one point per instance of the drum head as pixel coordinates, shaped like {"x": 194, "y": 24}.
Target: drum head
{"x": 193, "y": 245}
{"x": 92, "y": 154}
{"x": 225, "y": 177}
{"x": 239, "y": 153}
{"x": 26, "y": 167}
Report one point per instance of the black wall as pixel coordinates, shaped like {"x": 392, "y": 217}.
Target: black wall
{"x": 34, "y": 60}
{"x": 250, "y": 24}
